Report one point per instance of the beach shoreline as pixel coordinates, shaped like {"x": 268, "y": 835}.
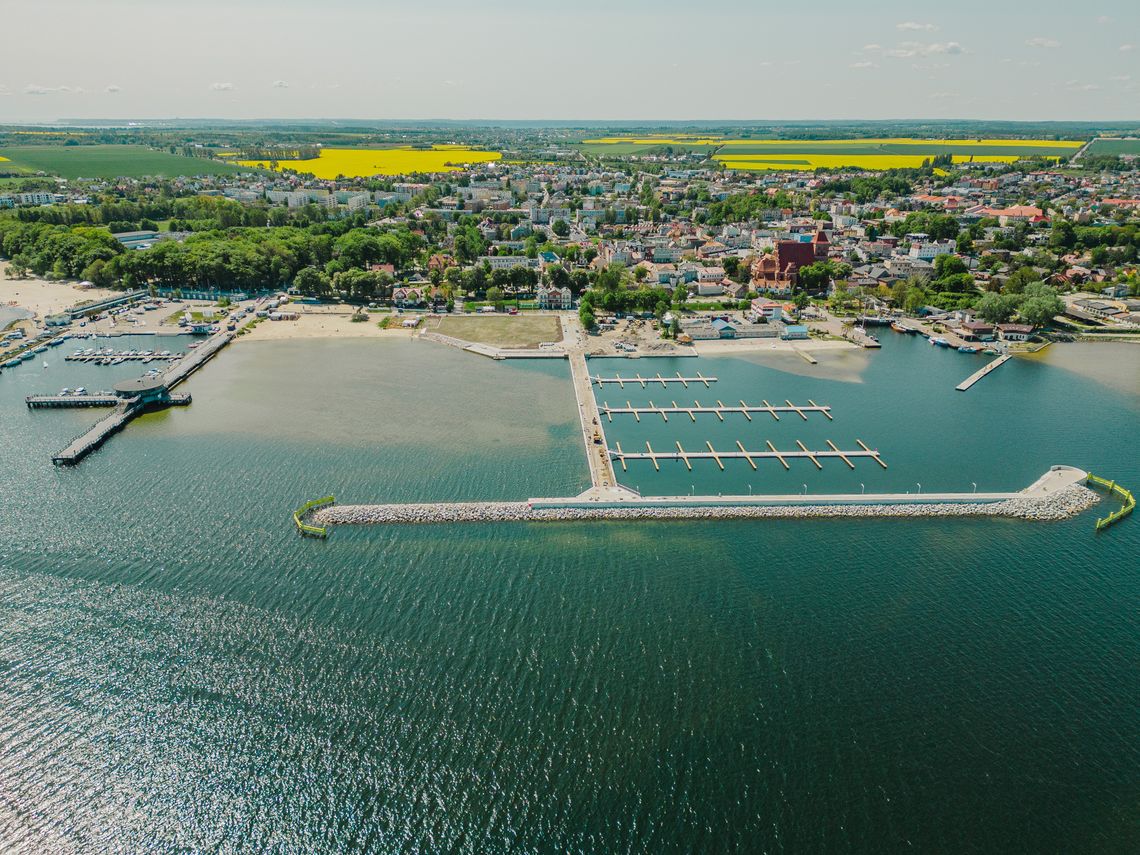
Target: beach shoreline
{"x": 43, "y": 297}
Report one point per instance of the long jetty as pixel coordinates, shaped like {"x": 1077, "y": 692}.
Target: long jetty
{"x": 127, "y": 408}
{"x": 637, "y": 379}
{"x": 983, "y": 371}
{"x": 751, "y": 456}
{"x": 1059, "y": 494}
{"x": 719, "y": 410}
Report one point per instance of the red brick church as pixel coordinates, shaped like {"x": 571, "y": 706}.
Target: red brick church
{"x": 778, "y": 271}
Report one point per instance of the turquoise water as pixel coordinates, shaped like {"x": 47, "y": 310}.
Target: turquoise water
{"x": 180, "y": 672}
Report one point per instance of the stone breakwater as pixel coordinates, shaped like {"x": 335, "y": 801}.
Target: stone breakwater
{"x": 1064, "y": 503}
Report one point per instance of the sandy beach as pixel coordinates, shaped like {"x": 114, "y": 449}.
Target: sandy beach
{"x": 727, "y": 347}
{"x": 43, "y": 297}
{"x": 324, "y": 324}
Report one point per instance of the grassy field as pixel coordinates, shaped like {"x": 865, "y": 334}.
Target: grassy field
{"x": 109, "y": 161}
{"x": 1110, "y": 147}
{"x": 366, "y": 162}
{"x": 502, "y": 330}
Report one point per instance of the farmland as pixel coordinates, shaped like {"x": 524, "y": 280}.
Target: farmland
{"x": 366, "y": 162}
{"x": 108, "y": 161}
{"x": 888, "y": 153}
{"x": 1111, "y": 146}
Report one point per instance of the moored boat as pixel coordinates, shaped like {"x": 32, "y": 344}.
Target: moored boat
{"x": 965, "y": 348}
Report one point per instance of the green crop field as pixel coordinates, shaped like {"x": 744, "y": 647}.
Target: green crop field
{"x": 109, "y": 161}
{"x": 1110, "y": 147}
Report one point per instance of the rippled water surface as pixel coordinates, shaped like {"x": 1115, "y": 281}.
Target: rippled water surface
{"x": 180, "y": 672}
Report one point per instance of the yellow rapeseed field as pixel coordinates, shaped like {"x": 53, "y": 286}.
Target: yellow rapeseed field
{"x": 807, "y": 162}
{"x": 681, "y": 139}
{"x": 3, "y": 158}
{"x": 366, "y": 162}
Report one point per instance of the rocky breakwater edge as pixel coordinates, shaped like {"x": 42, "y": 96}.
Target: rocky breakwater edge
{"x": 1062, "y": 504}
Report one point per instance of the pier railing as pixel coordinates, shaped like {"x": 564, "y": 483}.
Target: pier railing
{"x": 1116, "y": 490}
{"x": 307, "y": 529}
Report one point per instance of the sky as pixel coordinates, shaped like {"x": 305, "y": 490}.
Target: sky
{"x": 635, "y": 60}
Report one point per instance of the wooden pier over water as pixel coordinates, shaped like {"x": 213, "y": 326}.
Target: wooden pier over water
{"x": 645, "y": 381}
{"x": 983, "y": 371}
{"x": 719, "y": 410}
{"x": 741, "y": 453}
{"x": 126, "y": 408}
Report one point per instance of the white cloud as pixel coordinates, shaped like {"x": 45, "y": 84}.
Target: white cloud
{"x": 4, "y": 90}
{"x": 112, "y": 88}
{"x": 941, "y": 95}
{"x": 906, "y": 50}
{"x": 221, "y": 87}
{"x": 35, "y": 89}
{"x": 280, "y": 84}
{"x": 1125, "y": 48}
{"x": 1042, "y": 42}
{"x": 1121, "y": 78}
{"x": 864, "y": 64}
{"x": 915, "y": 26}
{"x": 1104, "y": 19}
{"x": 1076, "y": 86}
{"x": 872, "y": 47}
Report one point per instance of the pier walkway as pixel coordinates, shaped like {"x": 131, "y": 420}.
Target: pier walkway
{"x": 983, "y": 371}
{"x": 741, "y": 453}
{"x": 645, "y": 381}
{"x": 126, "y": 408}
{"x": 593, "y": 434}
{"x": 719, "y": 410}
{"x": 60, "y": 401}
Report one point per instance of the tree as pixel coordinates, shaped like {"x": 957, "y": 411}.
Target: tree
{"x": 1040, "y": 311}
{"x": 948, "y": 265}
{"x": 996, "y": 308}
{"x": 801, "y": 300}
{"x": 560, "y": 228}
{"x": 313, "y": 282}
{"x": 494, "y": 295}
{"x": 586, "y": 317}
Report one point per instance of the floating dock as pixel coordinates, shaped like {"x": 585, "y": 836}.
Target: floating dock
{"x": 741, "y": 453}
{"x": 637, "y": 379}
{"x": 983, "y": 371}
{"x": 719, "y": 410}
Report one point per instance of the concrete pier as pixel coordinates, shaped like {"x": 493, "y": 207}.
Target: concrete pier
{"x": 983, "y": 371}
{"x": 593, "y": 434}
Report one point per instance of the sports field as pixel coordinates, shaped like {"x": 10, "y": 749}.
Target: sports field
{"x": 515, "y": 331}
{"x": 366, "y": 162}
{"x": 874, "y": 154}
{"x": 109, "y": 161}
